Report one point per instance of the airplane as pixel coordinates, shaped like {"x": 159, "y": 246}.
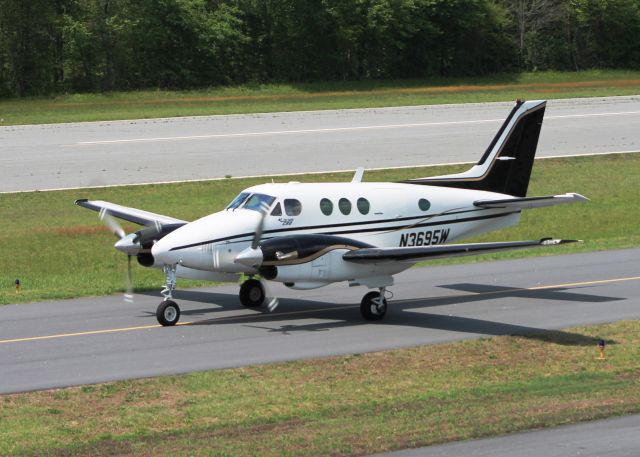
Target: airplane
{"x": 309, "y": 235}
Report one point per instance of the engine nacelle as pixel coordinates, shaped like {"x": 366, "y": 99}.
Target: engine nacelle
{"x": 146, "y": 260}
{"x": 301, "y": 249}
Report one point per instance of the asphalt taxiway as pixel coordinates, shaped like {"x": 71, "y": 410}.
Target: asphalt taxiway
{"x": 90, "y": 340}
{"x": 190, "y": 148}
{"x": 615, "y": 437}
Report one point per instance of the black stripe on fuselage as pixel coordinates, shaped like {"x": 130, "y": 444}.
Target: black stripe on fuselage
{"x": 340, "y": 232}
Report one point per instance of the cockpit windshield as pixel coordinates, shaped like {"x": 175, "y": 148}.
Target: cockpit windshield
{"x": 250, "y": 201}
{"x": 239, "y": 200}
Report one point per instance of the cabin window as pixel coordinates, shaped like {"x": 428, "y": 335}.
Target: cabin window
{"x": 277, "y": 210}
{"x": 363, "y": 205}
{"x": 326, "y": 206}
{"x": 424, "y": 204}
{"x": 345, "y": 206}
{"x": 292, "y": 207}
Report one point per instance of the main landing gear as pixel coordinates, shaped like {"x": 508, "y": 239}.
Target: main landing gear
{"x": 252, "y": 293}
{"x": 374, "y": 305}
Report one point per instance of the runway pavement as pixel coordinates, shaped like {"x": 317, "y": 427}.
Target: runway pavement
{"x": 90, "y": 340}
{"x": 161, "y": 150}
{"x": 617, "y": 437}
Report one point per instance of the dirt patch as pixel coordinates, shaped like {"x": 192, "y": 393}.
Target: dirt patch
{"x": 547, "y": 87}
{"x": 78, "y": 230}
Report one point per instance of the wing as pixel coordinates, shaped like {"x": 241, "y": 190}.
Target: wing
{"x": 415, "y": 254}
{"x": 531, "y": 202}
{"x": 137, "y": 216}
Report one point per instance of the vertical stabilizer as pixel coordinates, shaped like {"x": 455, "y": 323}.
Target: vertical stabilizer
{"x": 506, "y": 165}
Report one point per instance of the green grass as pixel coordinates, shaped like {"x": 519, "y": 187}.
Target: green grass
{"x": 59, "y": 250}
{"x": 315, "y": 96}
{"x": 344, "y": 406}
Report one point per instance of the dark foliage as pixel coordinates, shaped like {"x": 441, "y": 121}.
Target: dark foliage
{"x": 52, "y": 46}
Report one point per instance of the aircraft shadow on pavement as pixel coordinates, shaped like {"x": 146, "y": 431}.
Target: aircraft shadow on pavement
{"x": 400, "y": 313}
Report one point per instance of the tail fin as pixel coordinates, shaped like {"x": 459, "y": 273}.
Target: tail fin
{"x": 506, "y": 165}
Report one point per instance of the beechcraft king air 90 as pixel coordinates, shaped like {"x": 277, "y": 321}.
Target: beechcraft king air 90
{"x": 310, "y": 235}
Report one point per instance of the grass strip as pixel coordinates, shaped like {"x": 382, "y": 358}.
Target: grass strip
{"x": 344, "y": 406}
{"x": 317, "y": 96}
{"x": 59, "y": 250}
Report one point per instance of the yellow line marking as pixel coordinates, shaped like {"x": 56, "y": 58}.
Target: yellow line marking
{"x": 520, "y": 289}
{"x": 586, "y": 283}
{"x": 90, "y": 332}
{"x": 227, "y": 318}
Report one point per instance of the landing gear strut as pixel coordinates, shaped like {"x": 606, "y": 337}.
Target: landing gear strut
{"x": 168, "y": 312}
{"x": 252, "y": 293}
{"x": 374, "y": 306}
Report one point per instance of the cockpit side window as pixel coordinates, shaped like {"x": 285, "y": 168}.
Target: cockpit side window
{"x": 258, "y": 202}
{"x": 277, "y": 210}
{"x": 292, "y": 207}
{"x": 238, "y": 200}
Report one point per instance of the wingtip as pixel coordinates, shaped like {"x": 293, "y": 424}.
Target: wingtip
{"x": 557, "y": 242}
{"x": 579, "y": 197}
{"x": 81, "y": 200}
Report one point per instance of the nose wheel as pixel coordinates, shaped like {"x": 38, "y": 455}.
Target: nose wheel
{"x": 168, "y": 313}
{"x": 374, "y": 306}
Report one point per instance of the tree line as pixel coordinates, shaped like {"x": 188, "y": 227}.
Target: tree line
{"x": 53, "y": 46}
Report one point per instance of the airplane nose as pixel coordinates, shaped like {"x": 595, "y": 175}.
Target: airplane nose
{"x": 161, "y": 251}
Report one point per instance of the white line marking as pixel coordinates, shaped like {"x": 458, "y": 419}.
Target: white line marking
{"x": 301, "y": 173}
{"x": 330, "y": 130}
{"x": 282, "y": 132}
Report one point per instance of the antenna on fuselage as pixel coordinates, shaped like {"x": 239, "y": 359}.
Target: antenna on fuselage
{"x": 357, "y": 177}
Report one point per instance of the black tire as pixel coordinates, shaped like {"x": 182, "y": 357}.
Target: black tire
{"x": 168, "y": 313}
{"x": 252, "y": 293}
{"x": 370, "y": 310}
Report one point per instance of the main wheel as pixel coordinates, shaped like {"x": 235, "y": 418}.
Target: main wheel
{"x": 373, "y": 306}
{"x": 252, "y": 293}
{"x": 168, "y": 313}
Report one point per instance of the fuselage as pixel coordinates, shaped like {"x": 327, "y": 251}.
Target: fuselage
{"x": 379, "y": 214}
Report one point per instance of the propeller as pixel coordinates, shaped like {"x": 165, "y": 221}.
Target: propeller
{"x": 124, "y": 244}
{"x": 128, "y": 295}
{"x": 271, "y": 300}
{"x": 110, "y": 222}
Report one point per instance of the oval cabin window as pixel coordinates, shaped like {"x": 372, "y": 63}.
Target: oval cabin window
{"x": 345, "y": 206}
{"x": 363, "y": 205}
{"x": 326, "y": 206}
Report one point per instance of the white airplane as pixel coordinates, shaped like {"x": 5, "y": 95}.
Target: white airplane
{"x": 310, "y": 235}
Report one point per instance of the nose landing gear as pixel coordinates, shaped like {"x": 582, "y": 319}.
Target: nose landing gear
{"x": 168, "y": 312}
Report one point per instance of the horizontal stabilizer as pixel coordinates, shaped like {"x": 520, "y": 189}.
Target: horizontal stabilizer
{"x": 137, "y": 216}
{"x": 415, "y": 254}
{"x": 531, "y": 202}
